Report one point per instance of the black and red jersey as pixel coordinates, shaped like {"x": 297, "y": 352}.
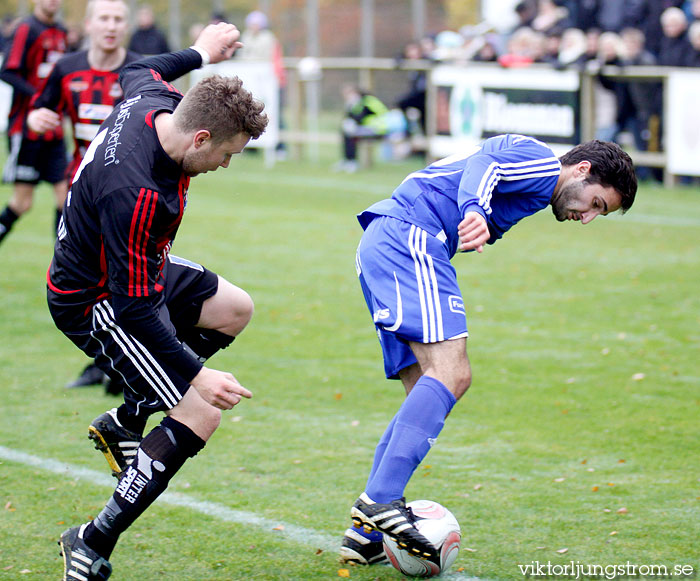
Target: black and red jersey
{"x": 124, "y": 209}
{"x": 34, "y": 50}
{"x": 85, "y": 94}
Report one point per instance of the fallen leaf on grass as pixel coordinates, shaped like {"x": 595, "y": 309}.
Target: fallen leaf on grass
{"x": 319, "y": 551}
{"x": 343, "y": 573}
{"x": 559, "y": 479}
{"x": 595, "y": 489}
{"x": 638, "y": 377}
{"x": 7, "y": 568}
{"x": 478, "y": 486}
{"x": 25, "y": 571}
{"x": 469, "y": 550}
{"x": 355, "y": 423}
{"x": 562, "y": 551}
{"x": 622, "y": 510}
{"x": 278, "y": 528}
{"x": 613, "y": 533}
{"x": 338, "y": 396}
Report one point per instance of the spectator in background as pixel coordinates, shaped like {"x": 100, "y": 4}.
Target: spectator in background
{"x": 414, "y": 97}
{"x": 489, "y": 50}
{"x": 640, "y": 102}
{"x": 526, "y": 11}
{"x": 74, "y": 38}
{"x": 365, "y": 118}
{"x": 651, "y": 26}
{"x": 261, "y": 44}
{"x": 614, "y": 15}
{"x": 525, "y": 46}
{"x": 572, "y": 51}
{"x": 583, "y": 14}
{"x": 694, "y": 38}
{"x": 674, "y": 49}
{"x": 606, "y": 89}
{"x": 550, "y": 16}
{"x": 147, "y": 39}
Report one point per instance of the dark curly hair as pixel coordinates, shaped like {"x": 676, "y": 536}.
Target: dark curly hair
{"x": 610, "y": 166}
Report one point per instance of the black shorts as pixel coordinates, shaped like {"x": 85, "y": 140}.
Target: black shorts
{"x": 147, "y": 387}
{"x": 31, "y": 161}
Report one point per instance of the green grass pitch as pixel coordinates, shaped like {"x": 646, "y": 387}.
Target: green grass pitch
{"x": 577, "y": 442}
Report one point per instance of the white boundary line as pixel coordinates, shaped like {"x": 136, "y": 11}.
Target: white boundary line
{"x": 220, "y": 512}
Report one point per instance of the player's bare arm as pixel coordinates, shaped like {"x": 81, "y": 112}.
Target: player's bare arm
{"x": 473, "y": 232}
{"x": 219, "y": 388}
{"x": 42, "y": 120}
{"x": 219, "y": 40}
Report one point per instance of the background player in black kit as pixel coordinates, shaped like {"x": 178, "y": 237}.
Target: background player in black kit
{"x": 38, "y": 42}
{"x": 85, "y": 86}
{"x": 146, "y": 316}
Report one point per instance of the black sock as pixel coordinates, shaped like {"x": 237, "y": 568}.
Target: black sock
{"x": 204, "y": 343}
{"x": 7, "y": 219}
{"x": 130, "y": 422}
{"x": 161, "y": 454}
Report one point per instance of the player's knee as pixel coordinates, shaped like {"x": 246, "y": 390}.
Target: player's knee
{"x": 241, "y": 311}
{"x": 209, "y": 420}
{"x": 462, "y": 381}
{"x": 21, "y": 203}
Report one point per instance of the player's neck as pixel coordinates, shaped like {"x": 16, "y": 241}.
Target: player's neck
{"x": 106, "y": 60}
{"x": 43, "y": 16}
{"x": 170, "y": 139}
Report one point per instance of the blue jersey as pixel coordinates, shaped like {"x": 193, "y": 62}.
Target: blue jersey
{"x": 506, "y": 179}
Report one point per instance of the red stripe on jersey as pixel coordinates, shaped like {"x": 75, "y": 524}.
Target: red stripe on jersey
{"x": 149, "y": 118}
{"x": 14, "y": 59}
{"x": 54, "y": 288}
{"x": 139, "y": 235}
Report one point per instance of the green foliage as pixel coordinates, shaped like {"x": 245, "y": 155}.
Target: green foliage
{"x": 583, "y": 341}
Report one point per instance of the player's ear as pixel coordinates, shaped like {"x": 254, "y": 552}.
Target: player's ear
{"x": 583, "y": 168}
{"x": 201, "y": 137}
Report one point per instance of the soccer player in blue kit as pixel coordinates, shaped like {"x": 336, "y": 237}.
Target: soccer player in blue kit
{"x": 147, "y": 317}
{"x": 457, "y": 204}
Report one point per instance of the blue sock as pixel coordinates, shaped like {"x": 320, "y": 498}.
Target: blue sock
{"x": 373, "y": 537}
{"x": 415, "y": 427}
{"x": 381, "y": 447}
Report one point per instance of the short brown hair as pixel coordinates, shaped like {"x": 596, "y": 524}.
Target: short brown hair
{"x": 223, "y": 107}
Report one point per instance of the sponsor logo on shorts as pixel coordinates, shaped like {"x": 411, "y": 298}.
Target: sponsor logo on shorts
{"x": 456, "y": 304}
{"x": 381, "y": 314}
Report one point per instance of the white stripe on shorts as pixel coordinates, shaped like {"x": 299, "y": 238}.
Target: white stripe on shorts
{"x": 427, "y": 286}
{"x": 142, "y": 360}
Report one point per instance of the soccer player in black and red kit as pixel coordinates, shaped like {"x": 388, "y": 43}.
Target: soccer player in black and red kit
{"x": 38, "y": 42}
{"x": 85, "y": 86}
{"x": 115, "y": 290}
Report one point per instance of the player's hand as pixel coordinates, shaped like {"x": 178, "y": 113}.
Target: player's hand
{"x": 43, "y": 120}
{"x": 219, "y": 40}
{"x": 219, "y": 388}
{"x": 473, "y": 232}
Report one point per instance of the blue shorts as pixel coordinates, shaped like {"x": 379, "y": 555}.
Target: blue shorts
{"x": 410, "y": 288}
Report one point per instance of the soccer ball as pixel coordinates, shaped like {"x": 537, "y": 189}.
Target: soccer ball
{"x": 441, "y": 528}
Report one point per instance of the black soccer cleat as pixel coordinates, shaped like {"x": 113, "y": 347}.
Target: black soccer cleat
{"x": 118, "y": 444}
{"x": 80, "y": 562}
{"x": 91, "y": 375}
{"x": 394, "y": 520}
{"x": 358, "y": 550}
